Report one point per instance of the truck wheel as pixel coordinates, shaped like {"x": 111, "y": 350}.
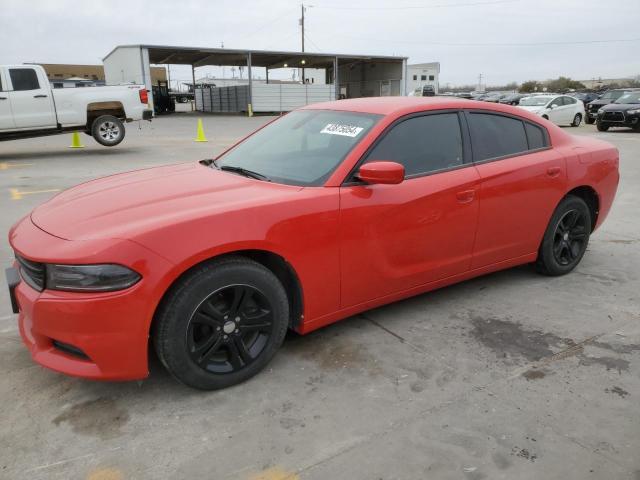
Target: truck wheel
{"x": 589, "y": 120}
{"x": 107, "y": 130}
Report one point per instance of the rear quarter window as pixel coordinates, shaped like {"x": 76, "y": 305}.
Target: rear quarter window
{"x": 494, "y": 136}
{"x": 536, "y": 136}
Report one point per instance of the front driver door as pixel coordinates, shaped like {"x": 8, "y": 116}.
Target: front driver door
{"x": 396, "y": 237}
{"x": 31, "y": 99}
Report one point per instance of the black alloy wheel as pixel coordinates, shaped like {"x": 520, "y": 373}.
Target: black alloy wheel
{"x": 569, "y": 239}
{"x": 567, "y": 236}
{"x": 221, "y": 322}
{"x": 229, "y": 329}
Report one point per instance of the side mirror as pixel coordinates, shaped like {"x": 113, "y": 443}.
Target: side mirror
{"x": 386, "y": 173}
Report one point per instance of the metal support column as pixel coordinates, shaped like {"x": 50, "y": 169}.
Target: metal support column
{"x": 193, "y": 77}
{"x": 250, "y": 96}
{"x": 403, "y": 81}
{"x": 336, "y": 78}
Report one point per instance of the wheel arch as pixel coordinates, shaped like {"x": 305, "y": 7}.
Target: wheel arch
{"x": 591, "y": 198}
{"x": 274, "y": 262}
{"x": 97, "y": 109}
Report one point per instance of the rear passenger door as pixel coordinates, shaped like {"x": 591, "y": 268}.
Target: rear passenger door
{"x": 522, "y": 180}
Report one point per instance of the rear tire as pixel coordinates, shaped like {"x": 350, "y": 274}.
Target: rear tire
{"x": 566, "y": 238}
{"x": 601, "y": 127}
{"x": 222, "y": 323}
{"x": 107, "y": 130}
{"x": 576, "y": 120}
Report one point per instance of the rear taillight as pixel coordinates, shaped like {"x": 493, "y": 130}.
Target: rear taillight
{"x": 144, "y": 96}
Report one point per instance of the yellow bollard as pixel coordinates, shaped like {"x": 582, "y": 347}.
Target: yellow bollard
{"x": 200, "y": 135}
{"x": 249, "y": 110}
{"x": 75, "y": 141}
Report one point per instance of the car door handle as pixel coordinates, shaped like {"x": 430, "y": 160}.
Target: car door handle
{"x": 466, "y": 196}
{"x": 40, "y": 96}
{"x": 553, "y": 172}
{"x": 3, "y": 98}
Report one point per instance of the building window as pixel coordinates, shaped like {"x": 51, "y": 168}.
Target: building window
{"x": 423, "y": 77}
{"x": 431, "y": 77}
{"x": 415, "y": 77}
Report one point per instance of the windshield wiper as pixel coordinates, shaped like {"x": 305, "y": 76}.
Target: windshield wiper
{"x": 243, "y": 171}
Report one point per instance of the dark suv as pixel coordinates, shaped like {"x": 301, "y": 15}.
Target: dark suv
{"x": 608, "y": 97}
{"x": 624, "y": 112}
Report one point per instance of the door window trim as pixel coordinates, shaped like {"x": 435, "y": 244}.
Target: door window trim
{"x": 349, "y": 179}
{"x": 545, "y": 133}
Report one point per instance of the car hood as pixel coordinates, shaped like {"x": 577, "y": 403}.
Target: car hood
{"x": 121, "y": 205}
{"x": 620, "y": 107}
{"x": 532, "y": 108}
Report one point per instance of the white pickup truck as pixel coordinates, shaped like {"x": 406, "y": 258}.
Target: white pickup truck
{"x": 29, "y": 107}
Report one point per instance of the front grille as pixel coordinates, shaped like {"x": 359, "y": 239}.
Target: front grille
{"x": 613, "y": 116}
{"x": 595, "y": 108}
{"x": 33, "y": 273}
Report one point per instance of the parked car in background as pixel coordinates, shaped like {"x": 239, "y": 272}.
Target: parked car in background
{"x": 326, "y": 212}
{"x": 584, "y": 97}
{"x": 513, "y": 98}
{"x": 493, "y": 97}
{"x": 624, "y": 112}
{"x": 560, "y": 109}
{"x": 29, "y": 107}
{"x": 466, "y": 95}
{"x": 607, "y": 97}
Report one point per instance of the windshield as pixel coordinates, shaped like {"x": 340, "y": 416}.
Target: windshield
{"x": 633, "y": 97}
{"x": 302, "y": 148}
{"x": 537, "y": 101}
{"x": 612, "y": 95}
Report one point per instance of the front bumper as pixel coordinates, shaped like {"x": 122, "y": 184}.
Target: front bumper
{"x": 92, "y": 335}
{"x": 623, "y": 120}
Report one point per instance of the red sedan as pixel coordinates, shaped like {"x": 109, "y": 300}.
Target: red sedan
{"x": 328, "y": 211}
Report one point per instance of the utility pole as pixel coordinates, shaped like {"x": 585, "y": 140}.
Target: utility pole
{"x": 480, "y": 82}
{"x": 302, "y": 25}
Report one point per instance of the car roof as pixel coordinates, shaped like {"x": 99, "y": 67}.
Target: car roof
{"x": 390, "y": 105}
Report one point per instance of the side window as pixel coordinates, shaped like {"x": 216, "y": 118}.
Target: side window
{"x": 422, "y": 144}
{"x": 557, "y": 102}
{"x": 535, "y": 136}
{"x": 24, "y": 79}
{"x": 569, "y": 100}
{"x": 495, "y": 136}
{"x": 1, "y": 89}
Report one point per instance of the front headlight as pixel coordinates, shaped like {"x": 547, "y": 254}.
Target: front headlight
{"x": 90, "y": 278}
{"x": 634, "y": 112}
{"x": 601, "y": 111}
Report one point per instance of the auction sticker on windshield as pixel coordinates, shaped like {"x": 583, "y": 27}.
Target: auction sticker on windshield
{"x": 345, "y": 130}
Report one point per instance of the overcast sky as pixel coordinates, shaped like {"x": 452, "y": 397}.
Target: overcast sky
{"x": 505, "y": 40}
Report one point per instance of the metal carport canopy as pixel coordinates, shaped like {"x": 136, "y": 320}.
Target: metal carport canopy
{"x": 198, "y": 57}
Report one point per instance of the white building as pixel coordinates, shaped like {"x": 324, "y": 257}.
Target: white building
{"x": 421, "y": 74}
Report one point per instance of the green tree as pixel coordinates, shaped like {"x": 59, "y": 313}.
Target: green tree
{"x": 563, "y": 84}
{"x": 530, "y": 86}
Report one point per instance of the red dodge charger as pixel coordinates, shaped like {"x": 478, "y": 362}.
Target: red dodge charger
{"x": 328, "y": 211}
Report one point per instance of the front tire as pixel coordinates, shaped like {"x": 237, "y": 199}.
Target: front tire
{"x": 601, "y": 127}
{"x": 566, "y": 238}
{"x": 107, "y": 130}
{"x": 222, "y": 323}
{"x": 576, "y": 120}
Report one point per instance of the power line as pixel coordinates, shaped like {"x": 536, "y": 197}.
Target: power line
{"x": 419, "y": 7}
{"x": 498, "y": 44}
